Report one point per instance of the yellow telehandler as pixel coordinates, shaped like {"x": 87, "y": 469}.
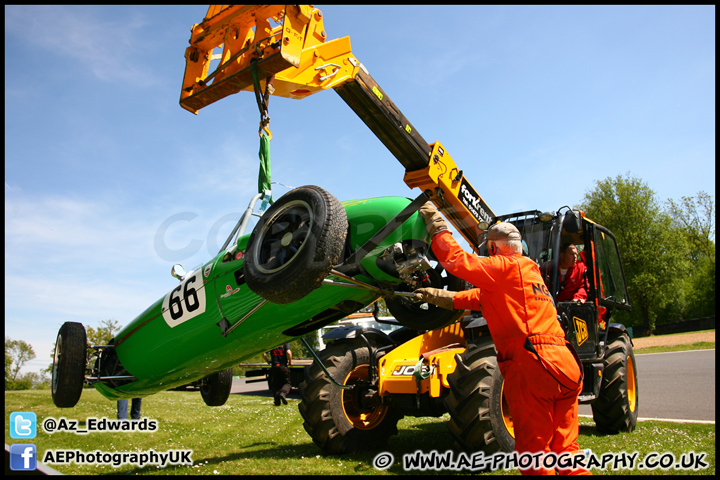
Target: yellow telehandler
{"x": 366, "y": 380}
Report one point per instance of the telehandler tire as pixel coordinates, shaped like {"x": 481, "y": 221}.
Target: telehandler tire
{"x": 333, "y": 417}
{"x": 479, "y": 416}
{"x": 616, "y": 408}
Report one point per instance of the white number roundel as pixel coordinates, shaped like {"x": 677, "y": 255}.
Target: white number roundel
{"x": 185, "y": 301}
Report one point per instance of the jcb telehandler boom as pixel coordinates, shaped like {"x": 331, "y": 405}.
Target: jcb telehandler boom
{"x": 286, "y": 48}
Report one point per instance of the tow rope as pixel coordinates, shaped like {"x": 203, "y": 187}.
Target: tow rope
{"x": 264, "y": 175}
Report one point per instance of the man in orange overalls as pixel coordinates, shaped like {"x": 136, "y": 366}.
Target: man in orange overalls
{"x": 543, "y": 376}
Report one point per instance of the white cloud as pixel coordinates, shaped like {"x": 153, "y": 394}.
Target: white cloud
{"x": 60, "y": 229}
{"x": 109, "y": 49}
{"x": 69, "y": 259}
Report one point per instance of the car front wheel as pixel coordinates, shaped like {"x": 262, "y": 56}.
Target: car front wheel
{"x": 69, "y": 363}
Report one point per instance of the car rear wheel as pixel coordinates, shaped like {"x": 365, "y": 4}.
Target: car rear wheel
{"x": 426, "y": 316}
{"x": 215, "y": 388}
{"x": 295, "y": 244}
{"x": 69, "y": 363}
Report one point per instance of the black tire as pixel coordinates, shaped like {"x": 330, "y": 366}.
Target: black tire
{"x": 616, "y": 408}
{"x": 479, "y": 416}
{"x": 215, "y": 388}
{"x": 295, "y": 244}
{"x": 69, "y": 364}
{"x": 332, "y": 416}
{"x": 426, "y": 316}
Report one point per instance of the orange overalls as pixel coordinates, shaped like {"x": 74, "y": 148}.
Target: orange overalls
{"x": 541, "y": 387}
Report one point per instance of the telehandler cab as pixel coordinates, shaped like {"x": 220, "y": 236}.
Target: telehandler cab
{"x": 366, "y": 380}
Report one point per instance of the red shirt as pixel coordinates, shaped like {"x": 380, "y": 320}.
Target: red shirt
{"x": 574, "y": 285}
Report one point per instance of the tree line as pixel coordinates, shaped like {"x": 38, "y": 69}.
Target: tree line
{"x": 667, "y": 249}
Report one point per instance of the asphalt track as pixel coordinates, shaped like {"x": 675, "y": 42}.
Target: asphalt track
{"x": 674, "y": 386}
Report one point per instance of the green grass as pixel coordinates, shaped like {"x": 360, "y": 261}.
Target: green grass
{"x": 676, "y": 348}
{"x": 248, "y": 435}
{"x": 685, "y": 333}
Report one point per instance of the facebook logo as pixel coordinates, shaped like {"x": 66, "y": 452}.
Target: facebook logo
{"x": 23, "y": 425}
{"x": 23, "y": 456}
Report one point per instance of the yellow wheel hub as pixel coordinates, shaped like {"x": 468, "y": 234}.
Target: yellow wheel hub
{"x": 507, "y": 418}
{"x": 631, "y": 386}
{"x": 360, "y": 419}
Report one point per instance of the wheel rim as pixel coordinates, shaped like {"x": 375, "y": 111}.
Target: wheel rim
{"x": 505, "y": 410}
{"x": 56, "y": 361}
{"x": 204, "y": 387}
{"x": 362, "y": 420}
{"x": 631, "y": 386}
{"x": 283, "y": 236}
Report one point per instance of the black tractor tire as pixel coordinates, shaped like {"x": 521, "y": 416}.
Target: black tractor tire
{"x": 479, "y": 416}
{"x": 616, "y": 408}
{"x": 69, "y": 365}
{"x": 332, "y": 416}
{"x": 426, "y": 316}
{"x": 295, "y": 244}
{"x": 215, "y": 388}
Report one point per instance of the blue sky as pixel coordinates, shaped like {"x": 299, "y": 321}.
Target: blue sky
{"x": 109, "y": 182}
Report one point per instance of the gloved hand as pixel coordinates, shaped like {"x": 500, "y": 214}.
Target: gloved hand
{"x": 436, "y": 296}
{"x": 434, "y": 221}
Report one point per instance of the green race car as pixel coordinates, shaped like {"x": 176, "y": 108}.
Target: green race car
{"x": 309, "y": 261}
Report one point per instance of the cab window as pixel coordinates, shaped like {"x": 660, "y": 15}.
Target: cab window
{"x": 613, "y": 290}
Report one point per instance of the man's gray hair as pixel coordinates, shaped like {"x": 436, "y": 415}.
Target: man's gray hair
{"x": 508, "y": 246}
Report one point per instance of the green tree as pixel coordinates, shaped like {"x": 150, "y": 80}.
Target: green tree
{"x": 653, "y": 253}
{"x": 8, "y": 362}
{"x": 17, "y": 354}
{"x": 694, "y": 217}
{"x": 102, "y": 335}
{"x": 32, "y": 380}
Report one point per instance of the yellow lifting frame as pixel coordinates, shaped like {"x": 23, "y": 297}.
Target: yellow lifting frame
{"x": 290, "y": 50}
{"x": 246, "y": 35}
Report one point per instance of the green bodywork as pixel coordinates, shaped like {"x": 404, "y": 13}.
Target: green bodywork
{"x": 161, "y": 357}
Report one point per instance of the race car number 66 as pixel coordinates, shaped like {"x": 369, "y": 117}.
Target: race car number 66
{"x": 185, "y": 301}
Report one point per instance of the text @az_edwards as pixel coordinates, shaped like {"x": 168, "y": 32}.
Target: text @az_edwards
{"x": 98, "y": 425}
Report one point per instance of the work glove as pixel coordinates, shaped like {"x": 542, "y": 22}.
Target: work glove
{"x": 434, "y": 221}
{"x": 436, "y": 296}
